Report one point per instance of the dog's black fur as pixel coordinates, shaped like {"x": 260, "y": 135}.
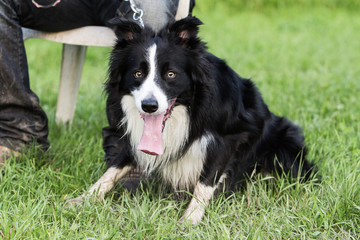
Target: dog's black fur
{"x": 225, "y": 112}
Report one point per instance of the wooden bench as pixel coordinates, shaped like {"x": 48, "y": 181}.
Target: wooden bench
{"x": 74, "y": 43}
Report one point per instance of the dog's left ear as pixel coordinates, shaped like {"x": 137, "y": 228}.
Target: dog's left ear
{"x": 186, "y": 29}
{"x": 125, "y": 30}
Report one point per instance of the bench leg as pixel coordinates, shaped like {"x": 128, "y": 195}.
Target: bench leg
{"x": 73, "y": 57}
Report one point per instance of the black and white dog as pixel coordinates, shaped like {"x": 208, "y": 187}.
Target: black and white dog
{"x": 187, "y": 118}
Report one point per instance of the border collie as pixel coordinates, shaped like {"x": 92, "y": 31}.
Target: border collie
{"x": 189, "y": 119}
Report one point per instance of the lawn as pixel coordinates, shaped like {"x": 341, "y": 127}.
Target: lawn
{"x": 305, "y": 61}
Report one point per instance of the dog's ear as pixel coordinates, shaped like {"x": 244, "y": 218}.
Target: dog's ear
{"x": 186, "y": 30}
{"x": 125, "y": 29}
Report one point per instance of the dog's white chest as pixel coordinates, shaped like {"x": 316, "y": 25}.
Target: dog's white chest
{"x": 184, "y": 173}
{"x": 181, "y": 173}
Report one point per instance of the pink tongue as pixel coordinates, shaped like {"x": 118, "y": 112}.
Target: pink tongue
{"x": 151, "y": 140}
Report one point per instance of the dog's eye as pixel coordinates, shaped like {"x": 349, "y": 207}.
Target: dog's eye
{"x": 171, "y": 74}
{"x": 138, "y": 74}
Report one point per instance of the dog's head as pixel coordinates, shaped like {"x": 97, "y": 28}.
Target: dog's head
{"x": 159, "y": 71}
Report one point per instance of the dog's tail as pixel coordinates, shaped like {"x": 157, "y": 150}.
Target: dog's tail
{"x": 282, "y": 150}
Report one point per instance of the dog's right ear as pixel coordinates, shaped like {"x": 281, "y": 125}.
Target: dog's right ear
{"x": 125, "y": 30}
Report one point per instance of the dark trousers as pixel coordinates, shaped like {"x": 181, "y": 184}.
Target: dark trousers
{"x": 22, "y": 120}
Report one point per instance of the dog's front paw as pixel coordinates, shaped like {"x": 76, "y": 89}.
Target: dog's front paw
{"x": 192, "y": 219}
{"x": 74, "y": 202}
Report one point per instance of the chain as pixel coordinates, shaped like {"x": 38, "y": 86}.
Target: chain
{"x": 138, "y": 13}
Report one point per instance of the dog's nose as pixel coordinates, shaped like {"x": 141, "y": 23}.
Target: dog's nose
{"x": 149, "y": 105}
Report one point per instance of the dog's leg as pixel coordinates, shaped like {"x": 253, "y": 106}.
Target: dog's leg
{"x": 202, "y": 195}
{"x": 108, "y": 180}
{"x": 104, "y": 184}
{"x": 212, "y": 177}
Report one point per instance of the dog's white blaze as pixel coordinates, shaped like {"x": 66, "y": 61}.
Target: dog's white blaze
{"x": 182, "y": 173}
{"x": 202, "y": 196}
{"x": 149, "y": 87}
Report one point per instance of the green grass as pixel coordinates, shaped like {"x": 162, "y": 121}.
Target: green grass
{"x": 305, "y": 62}
{"x": 236, "y": 5}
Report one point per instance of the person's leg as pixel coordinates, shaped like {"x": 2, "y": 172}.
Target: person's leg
{"x": 68, "y": 14}
{"x": 22, "y": 121}
{"x": 21, "y": 118}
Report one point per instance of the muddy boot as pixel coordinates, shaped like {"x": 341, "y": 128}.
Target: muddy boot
{"x": 6, "y": 153}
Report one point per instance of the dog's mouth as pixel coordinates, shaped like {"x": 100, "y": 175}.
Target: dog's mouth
{"x": 151, "y": 140}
